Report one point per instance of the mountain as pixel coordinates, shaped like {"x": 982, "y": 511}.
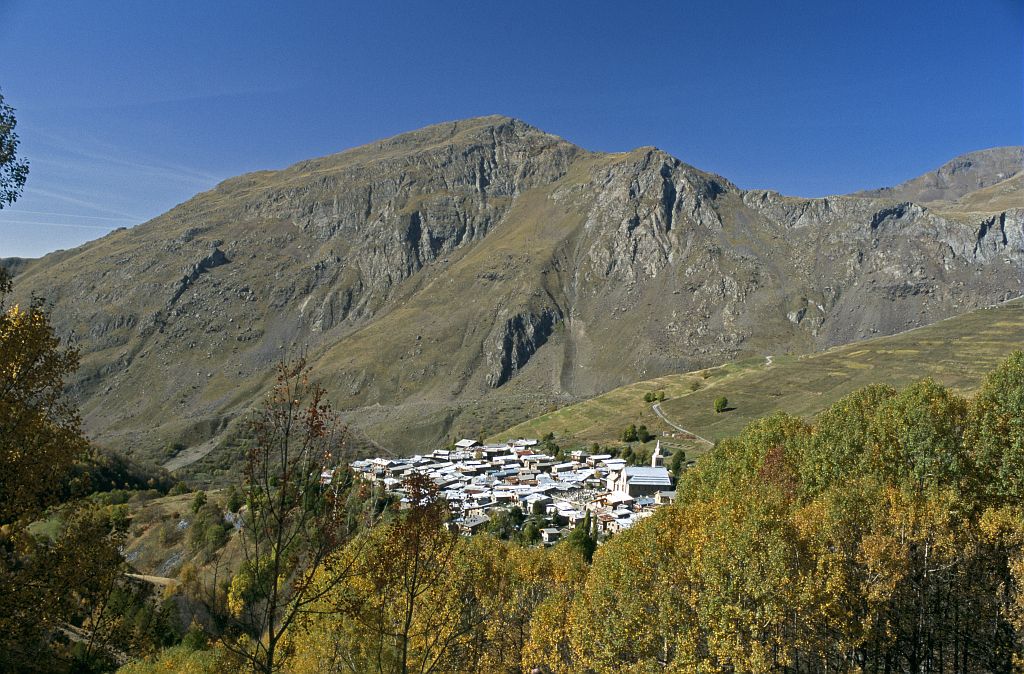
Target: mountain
{"x": 960, "y": 177}
{"x": 473, "y": 274}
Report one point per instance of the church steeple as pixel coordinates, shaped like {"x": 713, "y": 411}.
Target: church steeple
{"x": 657, "y": 458}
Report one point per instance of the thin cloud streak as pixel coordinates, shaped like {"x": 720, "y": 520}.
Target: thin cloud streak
{"x": 81, "y": 202}
{"x": 55, "y": 224}
{"x": 115, "y": 167}
{"x": 69, "y": 215}
{"x": 73, "y": 146}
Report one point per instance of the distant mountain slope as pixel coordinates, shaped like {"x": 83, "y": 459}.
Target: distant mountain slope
{"x": 472, "y": 274}
{"x": 958, "y": 177}
{"x": 958, "y": 352}
{"x": 13, "y": 265}
{"x": 1001, "y": 196}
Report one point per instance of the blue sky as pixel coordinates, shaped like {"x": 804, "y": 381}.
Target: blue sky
{"x": 128, "y": 108}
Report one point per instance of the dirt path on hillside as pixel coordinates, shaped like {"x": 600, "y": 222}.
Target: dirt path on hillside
{"x": 155, "y": 580}
{"x": 661, "y": 415}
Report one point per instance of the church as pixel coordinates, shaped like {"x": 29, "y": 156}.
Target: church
{"x": 642, "y": 480}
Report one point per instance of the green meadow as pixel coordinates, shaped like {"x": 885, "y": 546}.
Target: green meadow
{"x": 956, "y": 352}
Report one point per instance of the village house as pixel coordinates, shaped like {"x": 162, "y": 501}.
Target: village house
{"x": 665, "y": 498}
{"x": 473, "y": 524}
{"x": 550, "y": 535}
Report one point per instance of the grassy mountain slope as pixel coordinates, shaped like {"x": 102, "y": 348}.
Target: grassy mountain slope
{"x": 957, "y": 352}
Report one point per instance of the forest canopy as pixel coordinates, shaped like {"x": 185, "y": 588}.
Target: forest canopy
{"x": 886, "y": 534}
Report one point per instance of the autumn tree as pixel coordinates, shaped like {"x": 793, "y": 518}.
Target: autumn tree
{"x": 887, "y": 535}
{"x": 43, "y": 583}
{"x": 295, "y": 519}
{"x": 40, "y": 432}
{"x": 413, "y": 601}
{"x": 995, "y": 431}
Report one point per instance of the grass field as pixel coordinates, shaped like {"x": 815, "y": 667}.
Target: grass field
{"x": 957, "y": 352}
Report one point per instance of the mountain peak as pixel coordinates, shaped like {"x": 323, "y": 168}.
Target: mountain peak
{"x": 958, "y": 177}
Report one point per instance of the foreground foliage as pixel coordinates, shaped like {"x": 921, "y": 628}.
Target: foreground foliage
{"x": 886, "y": 535}
{"x": 53, "y": 586}
{"x": 293, "y": 522}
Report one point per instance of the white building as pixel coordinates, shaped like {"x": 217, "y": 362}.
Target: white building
{"x": 640, "y": 480}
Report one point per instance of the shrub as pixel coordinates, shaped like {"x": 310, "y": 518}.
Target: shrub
{"x": 198, "y": 501}
{"x": 721, "y": 404}
{"x": 643, "y": 435}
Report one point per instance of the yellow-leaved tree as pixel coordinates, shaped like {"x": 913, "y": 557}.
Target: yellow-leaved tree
{"x": 43, "y": 583}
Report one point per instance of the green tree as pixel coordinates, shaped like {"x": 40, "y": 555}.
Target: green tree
{"x": 630, "y": 433}
{"x": 504, "y": 524}
{"x": 551, "y": 447}
{"x": 198, "y": 501}
{"x": 721, "y": 404}
{"x": 677, "y": 462}
{"x": 642, "y": 434}
{"x": 581, "y": 539}
{"x": 234, "y": 500}
{"x": 13, "y": 169}
{"x": 531, "y": 532}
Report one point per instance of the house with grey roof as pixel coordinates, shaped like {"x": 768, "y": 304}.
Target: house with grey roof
{"x": 640, "y": 480}
{"x": 473, "y": 524}
{"x": 550, "y": 535}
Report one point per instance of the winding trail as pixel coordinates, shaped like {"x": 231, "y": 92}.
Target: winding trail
{"x": 661, "y": 415}
{"x": 656, "y": 408}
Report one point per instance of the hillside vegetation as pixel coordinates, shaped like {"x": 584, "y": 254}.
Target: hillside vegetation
{"x": 885, "y": 534}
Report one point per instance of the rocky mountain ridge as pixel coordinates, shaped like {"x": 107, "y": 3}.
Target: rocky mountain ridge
{"x": 470, "y": 275}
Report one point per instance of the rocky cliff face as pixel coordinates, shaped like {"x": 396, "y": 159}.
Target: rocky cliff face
{"x": 468, "y": 275}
